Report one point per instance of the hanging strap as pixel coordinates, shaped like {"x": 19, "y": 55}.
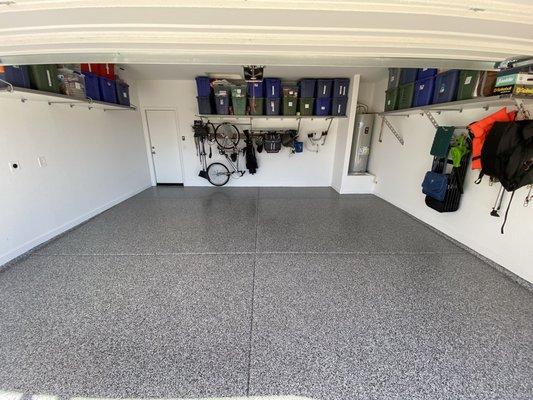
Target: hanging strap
{"x": 479, "y": 178}
{"x": 507, "y": 211}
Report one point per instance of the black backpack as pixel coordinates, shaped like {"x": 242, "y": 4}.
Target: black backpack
{"x": 507, "y": 155}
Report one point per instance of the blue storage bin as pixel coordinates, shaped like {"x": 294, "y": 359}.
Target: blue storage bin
{"x": 423, "y": 92}
{"x": 256, "y": 89}
{"x": 203, "y": 86}
{"x": 272, "y": 88}
{"x": 323, "y": 88}
{"x": 307, "y": 88}
{"x": 16, "y": 75}
{"x": 424, "y": 73}
{"x": 92, "y": 87}
{"x": 446, "y": 84}
{"x": 272, "y": 106}
{"x": 340, "y": 87}
{"x": 108, "y": 92}
{"x": 408, "y": 75}
{"x": 338, "y": 106}
{"x": 204, "y": 105}
{"x": 123, "y": 93}
{"x": 322, "y": 106}
{"x": 222, "y": 104}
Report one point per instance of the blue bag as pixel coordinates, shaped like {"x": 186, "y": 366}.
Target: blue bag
{"x": 435, "y": 185}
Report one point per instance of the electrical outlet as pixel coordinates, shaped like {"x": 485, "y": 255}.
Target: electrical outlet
{"x": 14, "y": 166}
{"x": 42, "y": 161}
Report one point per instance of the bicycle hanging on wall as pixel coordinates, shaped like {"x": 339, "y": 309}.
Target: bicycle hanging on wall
{"x": 227, "y": 138}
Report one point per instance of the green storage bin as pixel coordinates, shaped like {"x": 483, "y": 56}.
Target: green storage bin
{"x": 239, "y": 105}
{"x": 289, "y": 105}
{"x": 468, "y": 83}
{"x": 290, "y": 90}
{"x": 221, "y": 90}
{"x": 391, "y": 99}
{"x": 238, "y": 90}
{"x": 306, "y": 105}
{"x": 405, "y": 96}
{"x": 44, "y": 77}
{"x": 257, "y": 105}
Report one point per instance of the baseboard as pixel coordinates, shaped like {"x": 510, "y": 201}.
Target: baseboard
{"x": 45, "y": 237}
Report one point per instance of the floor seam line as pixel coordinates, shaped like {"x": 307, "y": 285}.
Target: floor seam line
{"x": 368, "y": 253}
{"x": 250, "y": 338}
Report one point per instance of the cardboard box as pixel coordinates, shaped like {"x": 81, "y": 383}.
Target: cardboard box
{"x": 518, "y": 84}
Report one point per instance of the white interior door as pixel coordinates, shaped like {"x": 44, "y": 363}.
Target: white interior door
{"x": 165, "y": 146}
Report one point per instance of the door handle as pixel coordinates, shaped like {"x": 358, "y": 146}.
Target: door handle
{"x": 153, "y": 150}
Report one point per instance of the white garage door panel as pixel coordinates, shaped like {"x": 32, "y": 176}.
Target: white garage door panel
{"x": 165, "y": 146}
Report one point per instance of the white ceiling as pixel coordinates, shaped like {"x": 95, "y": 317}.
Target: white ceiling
{"x": 326, "y": 33}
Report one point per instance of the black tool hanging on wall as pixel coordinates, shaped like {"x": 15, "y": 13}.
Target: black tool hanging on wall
{"x": 201, "y": 132}
{"x": 249, "y": 151}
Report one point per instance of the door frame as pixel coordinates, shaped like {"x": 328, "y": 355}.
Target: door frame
{"x": 148, "y": 140}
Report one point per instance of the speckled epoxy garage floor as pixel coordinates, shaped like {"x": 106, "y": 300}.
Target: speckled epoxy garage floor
{"x": 204, "y": 292}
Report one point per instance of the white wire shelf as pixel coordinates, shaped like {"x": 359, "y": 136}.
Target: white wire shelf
{"x": 278, "y": 117}
{"x": 478, "y": 102}
{"x": 24, "y": 95}
{"x": 454, "y": 106}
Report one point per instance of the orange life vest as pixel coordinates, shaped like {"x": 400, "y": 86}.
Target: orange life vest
{"x": 480, "y": 129}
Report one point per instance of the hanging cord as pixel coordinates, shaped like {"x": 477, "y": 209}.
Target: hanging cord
{"x": 507, "y": 211}
{"x": 529, "y": 196}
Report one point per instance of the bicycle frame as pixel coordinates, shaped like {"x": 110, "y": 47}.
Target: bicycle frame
{"x": 234, "y": 165}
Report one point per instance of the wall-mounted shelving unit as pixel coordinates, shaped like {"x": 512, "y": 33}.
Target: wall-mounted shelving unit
{"x": 275, "y": 117}
{"x": 248, "y": 119}
{"x": 454, "y": 106}
{"x": 25, "y": 95}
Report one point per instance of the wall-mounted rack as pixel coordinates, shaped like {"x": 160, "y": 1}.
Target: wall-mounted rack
{"x": 24, "y": 95}
{"x": 250, "y": 118}
{"x": 454, "y": 106}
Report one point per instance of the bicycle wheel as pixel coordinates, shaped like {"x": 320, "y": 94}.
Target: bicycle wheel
{"x": 218, "y": 174}
{"x": 211, "y": 131}
{"x": 227, "y": 136}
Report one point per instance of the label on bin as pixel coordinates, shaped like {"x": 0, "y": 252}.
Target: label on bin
{"x": 306, "y": 106}
{"x": 49, "y": 78}
{"x": 468, "y": 80}
{"x": 125, "y": 95}
{"x": 77, "y": 85}
{"x": 290, "y": 103}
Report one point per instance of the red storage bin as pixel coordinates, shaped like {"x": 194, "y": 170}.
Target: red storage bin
{"x": 107, "y": 71}
{"x": 91, "y": 68}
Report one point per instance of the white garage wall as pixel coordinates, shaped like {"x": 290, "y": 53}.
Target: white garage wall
{"x": 400, "y": 171}
{"x": 279, "y": 169}
{"x": 95, "y": 160}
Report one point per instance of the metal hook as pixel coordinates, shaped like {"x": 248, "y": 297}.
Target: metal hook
{"x": 529, "y": 196}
